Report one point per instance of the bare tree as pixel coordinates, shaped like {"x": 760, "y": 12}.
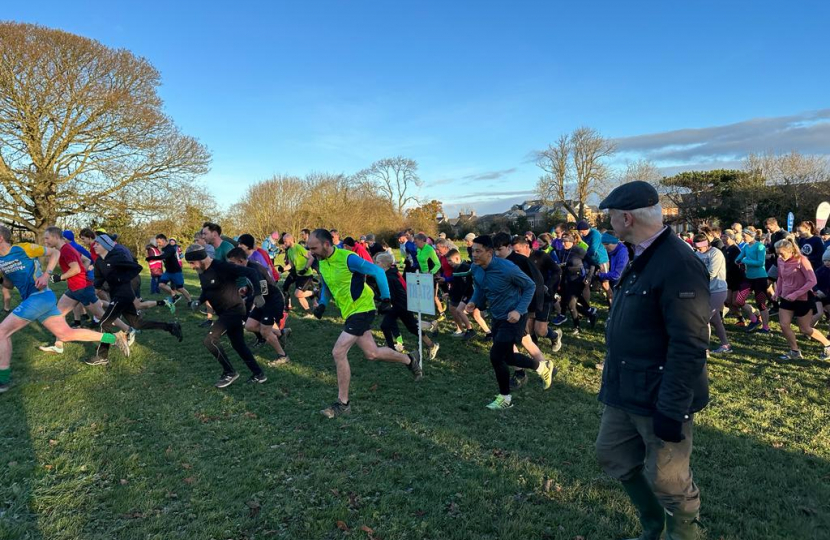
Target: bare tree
{"x": 393, "y": 178}
{"x": 794, "y": 174}
{"x": 82, "y": 128}
{"x": 574, "y": 169}
{"x": 642, "y": 169}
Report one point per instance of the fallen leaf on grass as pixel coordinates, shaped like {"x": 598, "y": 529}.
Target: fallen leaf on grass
{"x": 335, "y": 492}
{"x": 548, "y": 485}
{"x": 342, "y": 526}
{"x": 187, "y": 466}
{"x": 52, "y": 442}
{"x": 249, "y": 414}
{"x": 255, "y": 508}
{"x": 189, "y": 480}
{"x": 373, "y": 388}
{"x": 366, "y": 529}
{"x": 124, "y": 481}
{"x": 48, "y": 467}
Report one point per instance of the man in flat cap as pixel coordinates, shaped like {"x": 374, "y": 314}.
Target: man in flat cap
{"x": 654, "y": 378}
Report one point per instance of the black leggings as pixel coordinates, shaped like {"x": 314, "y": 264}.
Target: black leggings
{"x": 575, "y": 301}
{"x": 233, "y": 324}
{"x": 122, "y": 307}
{"x": 389, "y": 325}
{"x": 501, "y": 356}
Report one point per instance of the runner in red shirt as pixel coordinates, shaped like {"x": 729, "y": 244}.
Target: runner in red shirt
{"x": 79, "y": 286}
{"x": 350, "y": 244}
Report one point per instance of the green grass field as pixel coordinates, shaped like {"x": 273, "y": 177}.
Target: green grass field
{"x": 147, "y": 448}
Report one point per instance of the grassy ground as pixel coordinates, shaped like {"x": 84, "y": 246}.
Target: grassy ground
{"x": 147, "y": 448}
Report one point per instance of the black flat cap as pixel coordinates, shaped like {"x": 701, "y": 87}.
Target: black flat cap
{"x": 631, "y": 196}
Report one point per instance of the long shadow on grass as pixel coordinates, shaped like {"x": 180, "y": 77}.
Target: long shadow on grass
{"x": 20, "y": 466}
{"x": 176, "y": 458}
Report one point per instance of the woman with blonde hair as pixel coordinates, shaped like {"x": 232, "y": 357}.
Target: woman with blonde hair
{"x": 794, "y": 290}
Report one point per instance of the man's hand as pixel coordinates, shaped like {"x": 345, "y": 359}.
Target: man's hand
{"x": 259, "y": 300}
{"x": 42, "y": 282}
{"x": 319, "y": 310}
{"x": 385, "y": 305}
{"x": 666, "y": 428}
{"x": 513, "y": 316}
{"x": 55, "y": 278}
{"x": 470, "y": 307}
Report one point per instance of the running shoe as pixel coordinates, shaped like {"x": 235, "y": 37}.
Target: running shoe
{"x": 433, "y": 351}
{"x": 123, "y": 343}
{"x": 131, "y": 333}
{"x": 825, "y": 355}
{"x": 763, "y": 331}
{"x": 547, "y": 373}
{"x": 96, "y": 361}
{"x": 792, "y": 355}
{"x": 194, "y": 305}
{"x": 176, "y": 331}
{"x": 518, "y": 380}
{"x": 206, "y": 324}
{"x": 175, "y": 298}
{"x": 723, "y": 349}
{"x": 592, "y": 317}
{"x": 226, "y": 380}
{"x": 740, "y": 323}
{"x": 280, "y": 361}
{"x": 458, "y": 334}
{"x": 441, "y": 316}
{"x": 84, "y": 317}
{"x": 575, "y": 332}
{"x": 468, "y": 335}
{"x": 753, "y": 325}
{"x": 4, "y": 387}
{"x": 75, "y": 324}
{"x": 170, "y": 305}
{"x": 500, "y": 403}
{"x": 488, "y": 336}
{"x": 398, "y": 347}
{"x": 415, "y": 367}
{"x": 556, "y": 343}
{"x": 433, "y": 326}
{"x": 258, "y": 342}
{"x": 337, "y": 409}
{"x": 257, "y": 379}
{"x": 51, "y": 349}
{"x": 559, "y": 319}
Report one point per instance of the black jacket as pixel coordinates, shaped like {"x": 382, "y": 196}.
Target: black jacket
{"x": 657, "y": 333}
{"x": 117, "y": 270}
{"x": 397, "y": 291}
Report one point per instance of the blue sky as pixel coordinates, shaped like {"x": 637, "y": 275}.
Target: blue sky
{"x": 470, "y": 89}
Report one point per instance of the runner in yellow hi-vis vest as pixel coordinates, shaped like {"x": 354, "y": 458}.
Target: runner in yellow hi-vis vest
{"x": 344, "y": 280}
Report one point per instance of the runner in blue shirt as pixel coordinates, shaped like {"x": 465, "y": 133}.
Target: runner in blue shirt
{"x": 21, "y": 269}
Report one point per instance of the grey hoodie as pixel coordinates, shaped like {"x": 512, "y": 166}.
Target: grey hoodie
{"x": 716, "y": 266}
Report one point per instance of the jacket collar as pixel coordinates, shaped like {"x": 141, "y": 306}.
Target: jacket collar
{"x": 638, "y": 263}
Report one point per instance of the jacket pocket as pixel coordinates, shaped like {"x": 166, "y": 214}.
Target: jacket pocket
{"x": 639, "y": 383}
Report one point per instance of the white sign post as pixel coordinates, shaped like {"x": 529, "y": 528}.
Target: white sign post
{"x": 420, "y": 298}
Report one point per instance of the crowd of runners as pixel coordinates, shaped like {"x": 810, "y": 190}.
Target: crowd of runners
{"x": 514, "y": 291}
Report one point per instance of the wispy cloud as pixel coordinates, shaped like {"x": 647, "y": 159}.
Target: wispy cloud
{"x": 474, "y": 177}
{"x": 807, "y": 132}
{"x": 491, "y": 175}
{"x": 495, "y": 195}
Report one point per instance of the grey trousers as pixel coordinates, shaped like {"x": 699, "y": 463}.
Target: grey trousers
{"x": 627, "y": 445}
